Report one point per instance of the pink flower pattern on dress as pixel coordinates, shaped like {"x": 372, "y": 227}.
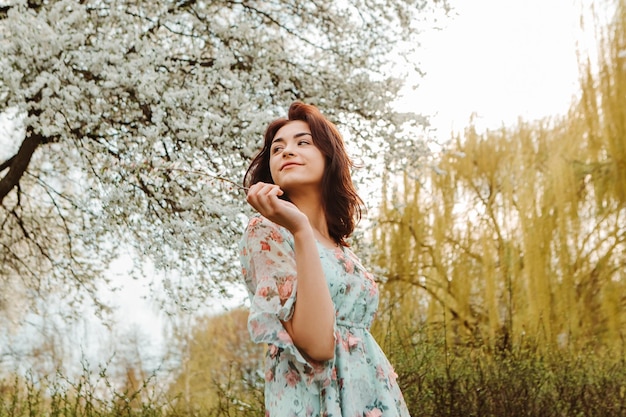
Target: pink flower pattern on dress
{"x": 353, "y": 341}
{"x": 286, "y": 288}
{"x": 292, "y": 377}
{"x": 359, "y": 381}
{"x": 264, "y": 292}
{"x": 374, "y": 413}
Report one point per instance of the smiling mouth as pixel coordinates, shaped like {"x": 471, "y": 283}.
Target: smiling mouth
{"x": 288, "y": 165}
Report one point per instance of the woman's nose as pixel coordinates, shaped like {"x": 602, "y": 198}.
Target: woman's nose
{"x": 288, "y": 151}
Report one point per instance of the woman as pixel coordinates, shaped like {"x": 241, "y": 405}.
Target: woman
{"x": 311, "y": 300}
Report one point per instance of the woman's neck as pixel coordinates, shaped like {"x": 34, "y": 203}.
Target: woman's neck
{"x": 311, "y": 206}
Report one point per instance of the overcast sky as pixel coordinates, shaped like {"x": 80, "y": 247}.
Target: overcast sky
{"x": 500, "y": 59}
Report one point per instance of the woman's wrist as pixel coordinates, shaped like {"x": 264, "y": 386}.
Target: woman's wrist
{"x": 304, "y": 231}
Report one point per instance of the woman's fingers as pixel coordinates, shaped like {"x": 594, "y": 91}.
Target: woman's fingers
{"x": 261, "y": 188}
{"x": 264, "y": 198}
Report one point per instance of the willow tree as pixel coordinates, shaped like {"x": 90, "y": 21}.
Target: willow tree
{"x": 132, "y": 120}
{"x": 520, "y": 234}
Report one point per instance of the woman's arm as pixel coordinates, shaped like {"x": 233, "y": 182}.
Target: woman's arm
{"x": 312, "y": 324}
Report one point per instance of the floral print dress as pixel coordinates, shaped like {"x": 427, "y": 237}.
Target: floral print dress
{"x": 359, "y": 381}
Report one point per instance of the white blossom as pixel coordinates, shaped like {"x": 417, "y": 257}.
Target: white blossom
{"x": 129, "y": 89}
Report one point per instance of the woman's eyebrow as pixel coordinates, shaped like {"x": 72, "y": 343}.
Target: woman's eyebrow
{"x": 297, "y": 135}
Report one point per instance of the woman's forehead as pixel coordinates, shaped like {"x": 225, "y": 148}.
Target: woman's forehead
{"x": 292, "y": 129}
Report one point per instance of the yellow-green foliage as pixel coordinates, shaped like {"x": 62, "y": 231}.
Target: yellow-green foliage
{"x": 220, "y": 374}
{"x": 520, "y": 234}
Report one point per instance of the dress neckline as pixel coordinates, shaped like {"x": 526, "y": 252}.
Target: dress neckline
{"x": 332, "y": 248}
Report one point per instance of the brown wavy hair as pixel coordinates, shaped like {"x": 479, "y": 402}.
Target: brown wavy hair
{"x": 341, "y": 203}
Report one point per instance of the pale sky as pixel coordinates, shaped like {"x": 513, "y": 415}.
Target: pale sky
{"x": 500, "y": 59}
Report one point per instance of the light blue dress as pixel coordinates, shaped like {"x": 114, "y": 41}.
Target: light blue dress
{"x": 359, "y": 381}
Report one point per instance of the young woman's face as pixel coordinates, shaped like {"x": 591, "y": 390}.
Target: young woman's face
{"x": 295, "y": 161}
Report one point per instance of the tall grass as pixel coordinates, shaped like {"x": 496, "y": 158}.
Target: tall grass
{"x": 437, "y": 380}
{"x": 89, "y": 395}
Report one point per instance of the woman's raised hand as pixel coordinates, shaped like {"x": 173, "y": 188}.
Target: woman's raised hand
{"x": 264, "y": 198}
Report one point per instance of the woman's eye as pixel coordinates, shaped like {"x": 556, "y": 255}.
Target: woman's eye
{"x": 277, "y": 149}
{"x": 303, "y": 142}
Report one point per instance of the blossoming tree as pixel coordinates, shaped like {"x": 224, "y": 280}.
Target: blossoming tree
{"x": 134, "y": 117}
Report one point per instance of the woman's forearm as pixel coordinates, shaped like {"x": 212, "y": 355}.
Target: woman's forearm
{"x": 311, "y": 326}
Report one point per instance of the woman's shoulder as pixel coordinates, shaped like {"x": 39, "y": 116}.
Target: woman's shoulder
{"x": 261, "y": 227}
{"x": 257, "y": 221}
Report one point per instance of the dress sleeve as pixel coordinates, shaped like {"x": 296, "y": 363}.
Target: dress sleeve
{"x": 269, "y": 269}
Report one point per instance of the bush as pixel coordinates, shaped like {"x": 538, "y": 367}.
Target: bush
{"x": 462, "y": 381}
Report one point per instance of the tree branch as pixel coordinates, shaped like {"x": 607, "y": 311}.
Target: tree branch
{"x": 18, "y": 164}
{"x": 6, "y": 164}
{"x": 31, "y": 4}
